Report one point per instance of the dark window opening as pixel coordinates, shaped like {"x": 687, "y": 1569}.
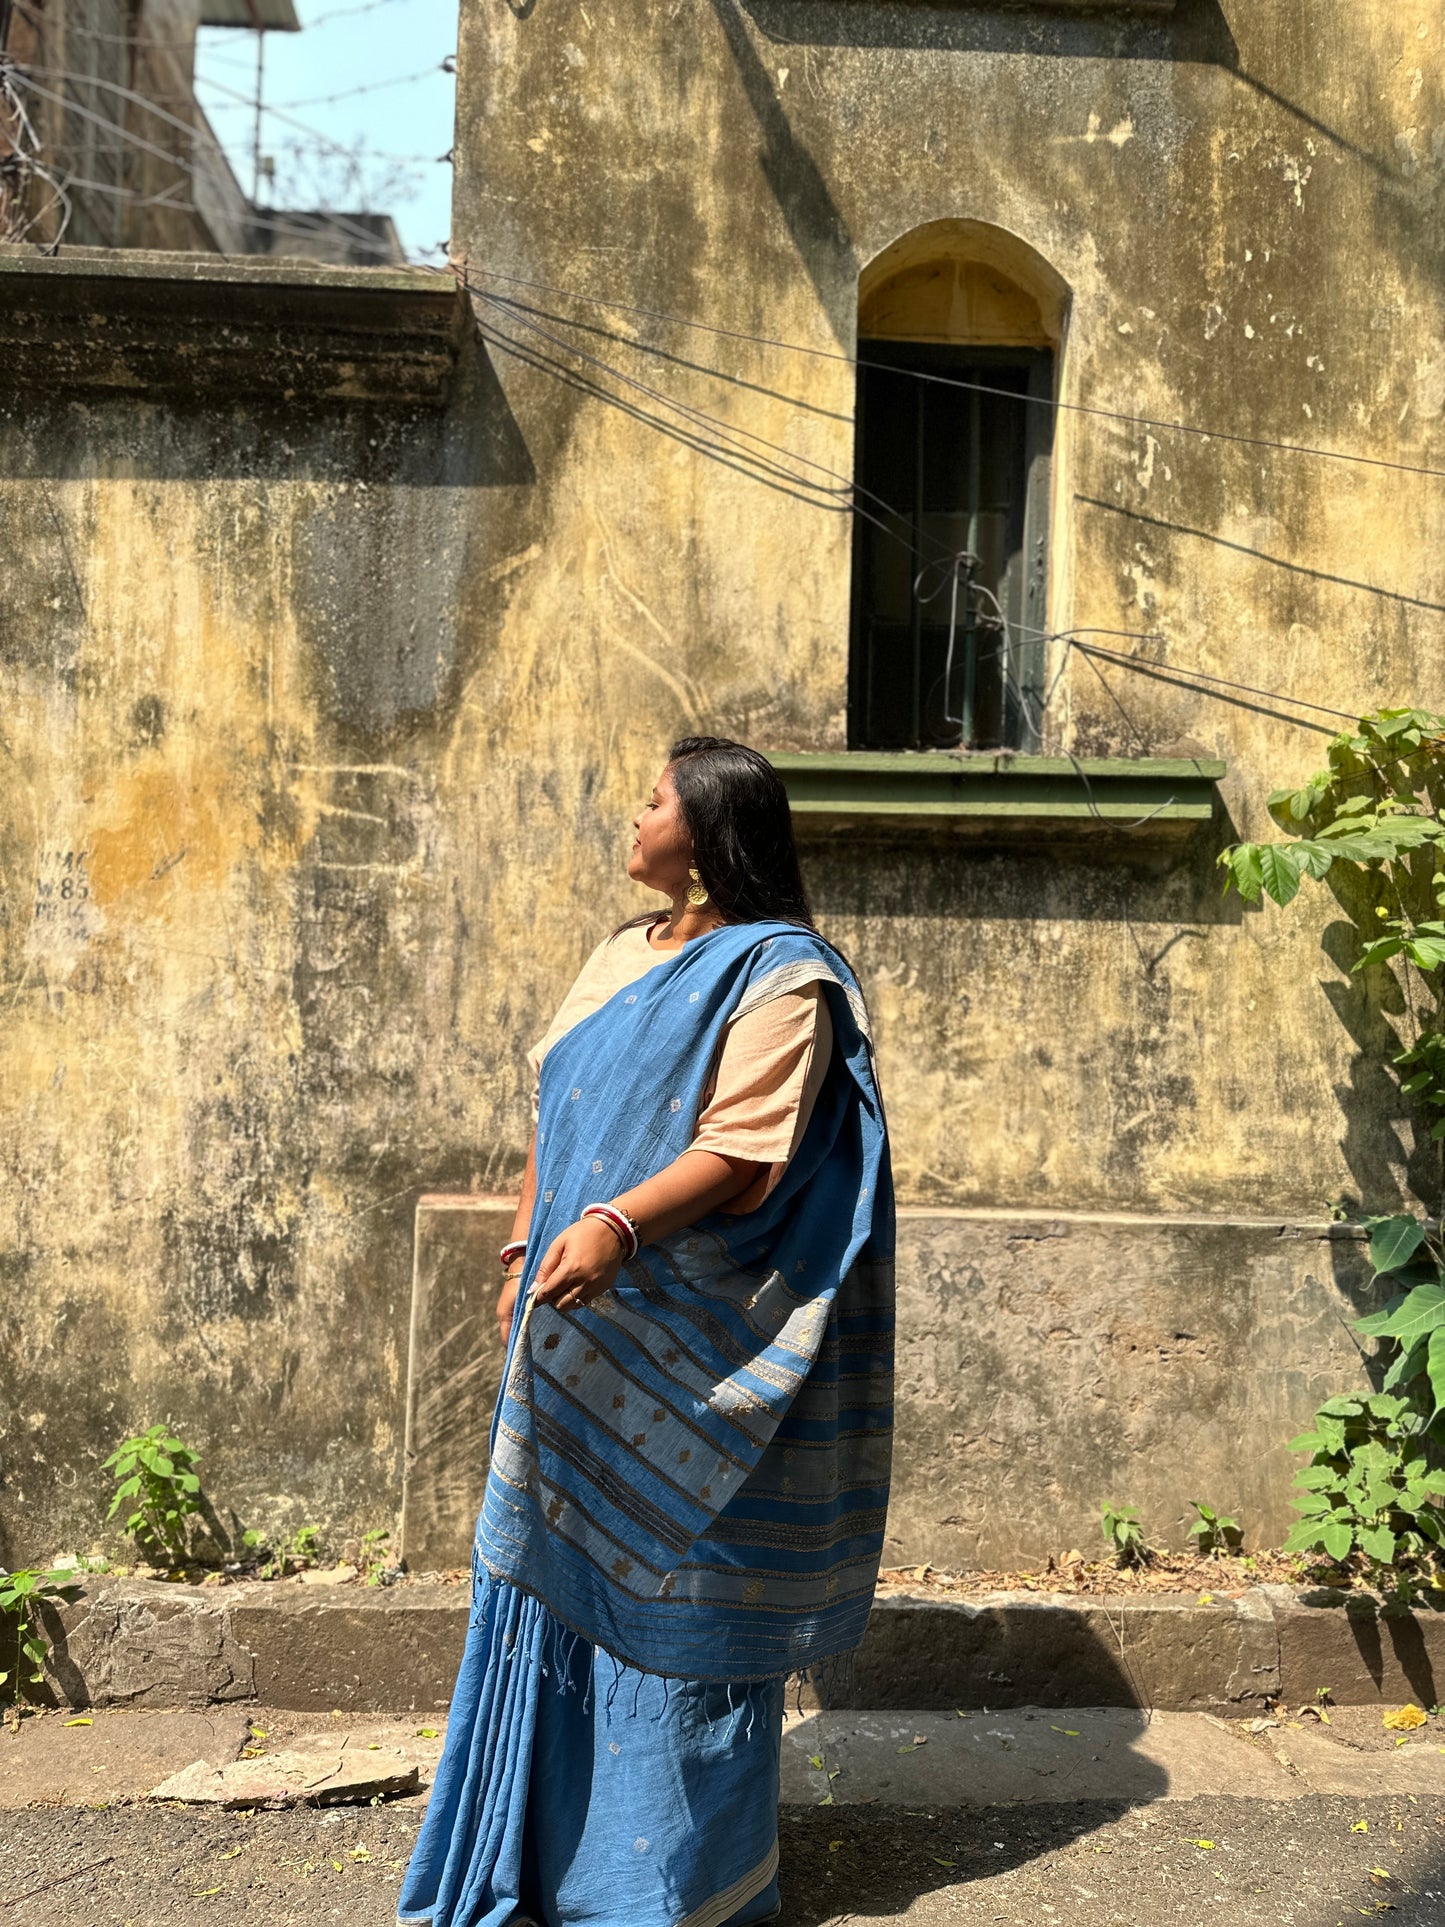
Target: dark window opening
{"x": 950, "y": 547}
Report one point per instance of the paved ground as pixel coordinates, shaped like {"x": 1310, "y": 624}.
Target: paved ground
{"x": 932, "y": 1822}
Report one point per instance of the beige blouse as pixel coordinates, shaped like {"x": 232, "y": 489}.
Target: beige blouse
{"x": 765, "y": 1076}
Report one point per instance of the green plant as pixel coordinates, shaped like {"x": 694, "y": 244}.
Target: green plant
{"x": 1121, "y": 1528}
{"x": 1371, "y": 823}
{"x": 1215, "y": 1531}
{"x": 23, "y": 1643}
{"x": 1370, "y": 1491}
{"x": 373, "y": 1556}
{"x": 304, "y": 1547}
{"x": 276, "y": 1558}
{"x": 157, "y": 1474}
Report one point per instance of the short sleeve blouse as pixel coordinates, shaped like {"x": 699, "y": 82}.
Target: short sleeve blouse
{"x": 765, "y": 1076}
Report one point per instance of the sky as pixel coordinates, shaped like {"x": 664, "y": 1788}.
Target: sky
{"x": 364, "y": 79}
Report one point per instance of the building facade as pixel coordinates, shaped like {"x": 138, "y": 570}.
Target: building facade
{"x": 989, "y": 411}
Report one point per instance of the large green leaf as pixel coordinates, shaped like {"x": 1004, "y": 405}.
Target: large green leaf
{"x": 1279, "y": 871}
{"x": 1305, "y": 1535}
{"x": 1407, "y": 1364}
{"x": 1379, "y": 1542}
{"x": 1244, "y": 870}
{"x": 1422, "y": 1311}
{"x": 1435, "y": 1366}
{"x": 1313, "y": 1503}
{"x": 1315, "y": 1478}
{"x": 1394, "y": 1243}
{"x": 1337, "y": 1538}
{"x": 1316, "y": 860}
{"x": 1377, "y": 1323}
{"x": 1380, "y": 951}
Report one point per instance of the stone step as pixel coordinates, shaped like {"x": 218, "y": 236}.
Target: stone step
{"x": 355, "y": 1648}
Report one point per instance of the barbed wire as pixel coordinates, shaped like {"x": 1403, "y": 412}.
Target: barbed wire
{"x": 22, "y": 165}
{"x": 362, "y": 237}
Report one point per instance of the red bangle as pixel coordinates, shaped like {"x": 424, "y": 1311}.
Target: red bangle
{"x": 517, "y": 1248}
{"x": 618, "y": 1221}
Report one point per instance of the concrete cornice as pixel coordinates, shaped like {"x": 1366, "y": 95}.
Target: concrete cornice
{"x": 132, "y": 321}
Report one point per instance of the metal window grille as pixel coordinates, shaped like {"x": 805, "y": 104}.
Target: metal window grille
{"x": 950, "y": 594}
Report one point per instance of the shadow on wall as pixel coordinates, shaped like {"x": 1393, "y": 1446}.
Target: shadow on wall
{"x": 473, "y": 441}
{"x": 1195, "y": 31}
{"x": 935, "y": 879}
{"x": 1376, "y": 1116}
{"x": 365, "y": 511}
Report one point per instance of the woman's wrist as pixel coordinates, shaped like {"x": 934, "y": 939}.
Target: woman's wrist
{"x": 619, "y": 1223}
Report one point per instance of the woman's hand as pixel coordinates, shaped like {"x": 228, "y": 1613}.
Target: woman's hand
{"x": 507, "y": 1305}
{"x": 579, "y": 1266}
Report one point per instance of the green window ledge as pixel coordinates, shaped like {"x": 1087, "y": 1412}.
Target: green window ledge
{"x": 1021, "y": 798}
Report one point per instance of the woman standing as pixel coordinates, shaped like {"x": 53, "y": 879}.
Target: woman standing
{"x": 690, "y": 1452}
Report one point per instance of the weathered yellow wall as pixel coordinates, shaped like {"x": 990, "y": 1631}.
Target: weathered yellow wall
{"x": 1246, "y": 210}
{"x": 347, "y": 709}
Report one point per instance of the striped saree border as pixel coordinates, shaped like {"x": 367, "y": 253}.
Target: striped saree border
{"x": 712, "y": 1913}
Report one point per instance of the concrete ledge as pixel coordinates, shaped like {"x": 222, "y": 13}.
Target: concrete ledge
{"x": 144, "y": 1643}
{"x": 130, "y": 320}
{"x": 1358, "y": 1652}
{"x": 1036, "y": 1649}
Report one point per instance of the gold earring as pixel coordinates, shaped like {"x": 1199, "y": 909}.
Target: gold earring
{"x": 696, "y": 891}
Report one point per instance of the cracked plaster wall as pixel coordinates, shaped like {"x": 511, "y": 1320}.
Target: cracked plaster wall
{"x": 345, "y": 708}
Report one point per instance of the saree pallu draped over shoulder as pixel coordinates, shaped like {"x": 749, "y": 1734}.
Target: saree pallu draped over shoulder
{"x": 689, "y": 1476}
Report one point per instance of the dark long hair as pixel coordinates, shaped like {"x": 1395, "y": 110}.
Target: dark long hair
{"x": 736, "y": 811}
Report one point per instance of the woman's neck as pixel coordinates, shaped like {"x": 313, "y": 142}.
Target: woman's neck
{"x": 682, "y": 923}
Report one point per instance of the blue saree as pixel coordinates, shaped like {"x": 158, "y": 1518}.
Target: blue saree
{"x": 687, "y": 1488}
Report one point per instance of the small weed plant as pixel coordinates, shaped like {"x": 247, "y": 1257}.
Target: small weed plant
{"x": 23, "y": 1642}
{"x": 373, "y": 1557}
{"x": 156, "y": 1475}
{"x": 276, "y": 1558}
{"x": 1215, "y": 1532}
{"x": 1370, "y": 1490}
{"x": 1124, "y": 1534}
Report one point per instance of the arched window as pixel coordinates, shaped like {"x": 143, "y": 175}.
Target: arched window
{"x": 959, "y": 329}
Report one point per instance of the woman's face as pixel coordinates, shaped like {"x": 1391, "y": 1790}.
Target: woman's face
{"x": 662, "y": 854}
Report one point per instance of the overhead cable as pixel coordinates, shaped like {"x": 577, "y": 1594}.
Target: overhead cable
{"x": 1222, "y": 682}
{"x": 982, "y": 388}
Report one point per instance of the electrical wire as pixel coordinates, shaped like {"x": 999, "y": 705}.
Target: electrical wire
{"x": 700, "y": 419}
{"x": 361, "y": 236}
{"x": 1222, "y": 682}
{"x": 145, "y": 42}
{"x": 973, "y": 387}
{"x": 353, "y": 152}
{"x": 344, "y": 13}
